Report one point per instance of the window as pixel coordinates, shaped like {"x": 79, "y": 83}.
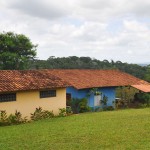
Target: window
{"x": 68, "y": 96}
{"x": 8, "y": 97}
{"x": 48, "y": 93}
{"x": 68, "y": 99}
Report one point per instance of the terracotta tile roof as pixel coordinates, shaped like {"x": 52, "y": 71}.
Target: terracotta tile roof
{"x": 142, "y": 86}
{"x": 12, "y": 80}
{"x": 91, "y": 78}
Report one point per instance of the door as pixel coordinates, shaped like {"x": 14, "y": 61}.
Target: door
{"x": 97, "y": 100}
{"x": 68, "y": 99}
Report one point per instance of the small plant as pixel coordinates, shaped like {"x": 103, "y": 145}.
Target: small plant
{"x": 146, "y": 98}
{"x": 75, "y": 105}
{"x": 98, "y": 109}
{"x": 3, "y": 118}
{"x": 17, "y": 118}
{"x": 41, "y": 114}
{"x": 83, "y": 105}
{"x": 68, "y": 110}
{"x": 62, "y": 112}
{"x": 12, "y": 118}
{"x": 105, "y": 100}
{"x": 47, "y": 114}
{"x": 79, "y": 105}
{"x": 108, "y": 108}
{"x": 37, "y": 115}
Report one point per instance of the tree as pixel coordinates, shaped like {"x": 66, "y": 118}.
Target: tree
{"x": 16, "y": 51}
{"x": 147, "y": 74}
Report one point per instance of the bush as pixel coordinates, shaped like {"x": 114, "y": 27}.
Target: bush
{"x": 83, "y": 105}
{"x": 79, "y": 105}
{"x": 11, "y": 119}
{"x": 143, "y": 98}
{"x": 104, "y": 101}
{"x": 108, "y": 108}
{"x": 119, "y": 104}
{"x": 41, "y": 114}
{"x": 68, "y": 110}
{"x": 17, "y": 118}
{"x": 62, "y": 112}
{"x": 75, "y": 105}
{"x": 3, "y": 118}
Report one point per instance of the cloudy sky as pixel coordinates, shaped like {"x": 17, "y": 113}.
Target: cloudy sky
{"x": 101, "y": 29}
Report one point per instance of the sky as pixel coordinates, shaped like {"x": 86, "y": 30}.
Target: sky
{"x": 100, "y": 29}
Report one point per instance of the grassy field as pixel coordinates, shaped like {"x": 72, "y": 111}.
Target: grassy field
{"x": 115, "y": 130}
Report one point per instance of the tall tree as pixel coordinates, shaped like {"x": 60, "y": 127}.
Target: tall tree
{"x": 16, "y": 51}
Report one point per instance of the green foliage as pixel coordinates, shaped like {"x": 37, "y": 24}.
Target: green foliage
{"x": 143, "y": 98}
{"x": 12, "y": 118}
{"x": 16, "y": 50}
{"x": 104, "y": 100}
{"x": 147, "y": 99}
{"x": 126, "y": 94}
{"x": 94, "y": 91}
{"x": 68, "y": 110}
{"x": 17, "y": 118}
{"x": 39, "y": 114}
{"x": 147, "y": 74}
{"x": 75, "y": 105}
{"x": 79, "y": 105}
{"x": 3, "y": 118}
{"x": 108, "y": 108}
{"x": 120, "y": 103}
{"x": 62, "y": 112}
{"x": 83, "y": 105}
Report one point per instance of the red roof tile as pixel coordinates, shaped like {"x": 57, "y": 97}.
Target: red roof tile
{"x": 13, "y": 80}
{"x": 90, "y": 78}
{"x": 142, "y": 87}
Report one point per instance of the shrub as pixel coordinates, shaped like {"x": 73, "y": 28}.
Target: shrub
{"x": 62, "y": 112}
{"x": 47, "y": 114}
{"x": 65, "y": 112}
{"x": 11, "y": 119}
{"x": 108, "y": 108}
{"x": 83, "y": 105}
{"x": 3, "y": 118}
{"x": 68, "y": 110}
{"x": 75, "y": 105}
{"x": 104, "y": 100}
{"x": 119, "y": 103}
{"x": 143, "y": 98}
{"x": 79, "y": 105}
{"x": 41, "y": 114}
{"x": 98, "y": 109}
{"x": 17, "y": 118}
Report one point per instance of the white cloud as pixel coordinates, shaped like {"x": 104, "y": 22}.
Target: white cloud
{"x": 41, "y": 9}
{"x": 111, "y": 29}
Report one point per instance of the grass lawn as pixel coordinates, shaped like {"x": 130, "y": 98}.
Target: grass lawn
{"x": 115, "y": 130}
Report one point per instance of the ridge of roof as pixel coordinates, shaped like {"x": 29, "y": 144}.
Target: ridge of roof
{"x": 90, "y": 78}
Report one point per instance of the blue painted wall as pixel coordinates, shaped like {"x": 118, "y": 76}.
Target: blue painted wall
{"x": 107, "y": 91}
{"x": 110, "y": 93}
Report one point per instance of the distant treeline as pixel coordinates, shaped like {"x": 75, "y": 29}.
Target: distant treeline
{"x": 74, "y": 62}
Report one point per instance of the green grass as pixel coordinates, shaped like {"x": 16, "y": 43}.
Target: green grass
{"x": 116, "y": 130}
